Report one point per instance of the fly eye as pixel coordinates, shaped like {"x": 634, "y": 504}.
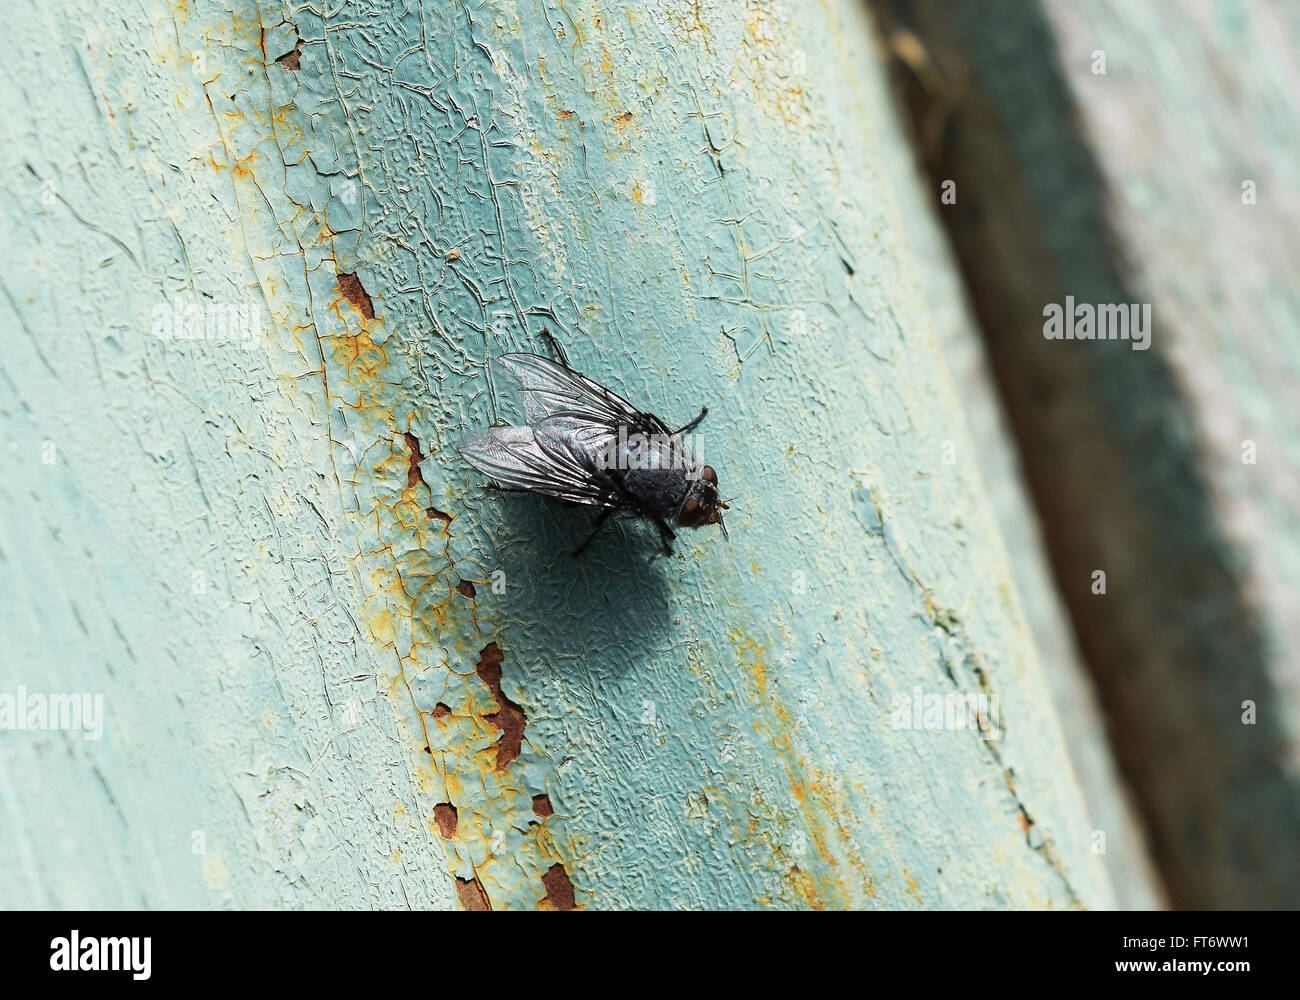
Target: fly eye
{"x": 690, "y": 513}
{"x": 708, "y": 475}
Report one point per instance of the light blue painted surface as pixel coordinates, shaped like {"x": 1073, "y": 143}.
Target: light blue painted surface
{"x": 1100, "y": 151}
{"x": 1109, "y": 805}
{"x": 696, "y": 208}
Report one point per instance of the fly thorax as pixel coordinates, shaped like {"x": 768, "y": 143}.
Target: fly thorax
{"x": 637, "y": 451}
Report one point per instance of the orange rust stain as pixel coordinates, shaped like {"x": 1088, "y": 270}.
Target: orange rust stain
{"x": 472, "y": 896}
{"x": 414, "y": 477}
{"x": 243, "y": 167}
{"x": 813, "y": 789}
{"x": 405, "y": 576}
{"x": 821, "y": 801}
{"x": 292, "y": 60}
{"x": 578, "y": 37}
{"x": 559, "y": 890}
{"x": 563, "y": 115}
{"x": 365, "y": 362}
{"x": 352, "y": 290}
{"x": 509, "y": 717}
{"x": 912, "y": 885}
{"x": 805, "y": 886}
{"x": 382, "y": 626}
{"x": 445, "y": 815}
{"x": 751, "y": 655}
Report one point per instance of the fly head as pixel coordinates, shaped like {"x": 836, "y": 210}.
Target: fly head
{"x": 703, "y": 504}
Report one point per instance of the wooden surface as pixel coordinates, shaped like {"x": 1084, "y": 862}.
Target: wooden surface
{"x": 259, "y": 552}
{"x": 1125, "y": 186}
{"x": 1120, "y": 837}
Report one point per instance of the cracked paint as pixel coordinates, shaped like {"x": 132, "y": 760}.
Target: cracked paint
{"x": 698, "y": 219}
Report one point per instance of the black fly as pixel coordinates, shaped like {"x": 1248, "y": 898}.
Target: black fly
{"x": 585, "y": 444}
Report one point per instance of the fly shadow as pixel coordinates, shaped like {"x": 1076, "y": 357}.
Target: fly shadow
{"x": 614, "y": 593}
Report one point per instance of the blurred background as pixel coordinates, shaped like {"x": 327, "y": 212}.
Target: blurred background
{"x": 1142, "y": 154}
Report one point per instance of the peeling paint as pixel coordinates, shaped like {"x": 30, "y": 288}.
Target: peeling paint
{"x": 410, "y": 201}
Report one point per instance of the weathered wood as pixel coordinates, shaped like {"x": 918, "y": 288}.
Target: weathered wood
{"x": 1119, "y": 836}
{"x": 352, "y": 713}
{"x": 1100, "y": 150}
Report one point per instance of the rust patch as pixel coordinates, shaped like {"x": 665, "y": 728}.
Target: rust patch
{"x": 509, "y": 717}
{"x": 292, "y": 60}
{"x": 542, "y": 805}
{"x": 624, "y": 118}
{"x": 564, "y": 114}
{"x": 414, "y": 476}
{"x": 472, "y": 896}
{"x": 444, "y": 813}
{"x": 559, "y": 889}
{"x": 352, "y": 290}
{"x": 411, "y": 607}
{"x": 806, "y": 887}
{"x": 466, "y": 589}
{"x": 1026, "y": 824}
{"x": 243, "y": 167}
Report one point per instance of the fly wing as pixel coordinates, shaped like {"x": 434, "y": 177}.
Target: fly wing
{"x": 514, "y": 457}
{"x": 571, "y": 438}
{"x": 551, "y": 390}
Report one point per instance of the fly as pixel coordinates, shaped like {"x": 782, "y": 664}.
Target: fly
{"x": 587, "y": 445}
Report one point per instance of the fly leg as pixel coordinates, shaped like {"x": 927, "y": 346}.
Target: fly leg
{"x": 600, "y": 523}
{"x": 704, "y": 411}
{"x": 555, "y": 346}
